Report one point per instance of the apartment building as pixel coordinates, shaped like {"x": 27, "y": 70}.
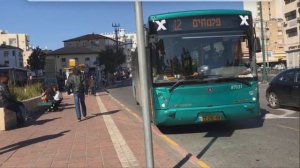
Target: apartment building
{"x": 291, "y": 10}
{"x": 19, "y": 40}
{"x": 11, "y": 56}
{"x": 273, "y": 25}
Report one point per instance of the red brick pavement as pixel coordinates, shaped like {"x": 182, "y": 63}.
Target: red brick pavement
{"x": 56, "y": 139}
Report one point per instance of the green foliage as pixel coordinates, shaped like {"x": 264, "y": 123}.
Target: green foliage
{"x": 111, "y": 59}
{"x": 26, "y": 92}
{"x": 36, "y": 60}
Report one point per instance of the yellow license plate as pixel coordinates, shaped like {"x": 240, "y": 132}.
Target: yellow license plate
{"x": 210, "y": 118}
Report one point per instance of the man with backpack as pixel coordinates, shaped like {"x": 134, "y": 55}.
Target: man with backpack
{"x": 76, "y": 85}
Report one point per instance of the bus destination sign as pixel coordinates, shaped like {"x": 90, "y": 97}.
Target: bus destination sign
{"x": 202, "y": 23}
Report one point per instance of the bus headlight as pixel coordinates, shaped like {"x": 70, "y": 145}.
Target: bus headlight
{"x": 163, "y": 105}
{"x": 254, "y": 98}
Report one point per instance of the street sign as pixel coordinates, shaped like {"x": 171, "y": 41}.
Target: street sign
{"x": 72, "y": 62}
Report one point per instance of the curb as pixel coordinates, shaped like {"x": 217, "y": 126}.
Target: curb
{"x": 165, "y": 138}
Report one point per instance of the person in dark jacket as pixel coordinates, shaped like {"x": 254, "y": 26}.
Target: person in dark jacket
{"x": 76, "y": 83}
{"x": 8, "y": 101}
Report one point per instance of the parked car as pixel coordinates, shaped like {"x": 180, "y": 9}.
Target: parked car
{"x": 284, "y": 89}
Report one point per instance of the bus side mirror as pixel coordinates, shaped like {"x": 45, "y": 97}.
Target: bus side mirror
{"x": 257, "y": 45}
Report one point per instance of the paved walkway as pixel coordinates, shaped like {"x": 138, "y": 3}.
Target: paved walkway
{"x": 109, "y": 137}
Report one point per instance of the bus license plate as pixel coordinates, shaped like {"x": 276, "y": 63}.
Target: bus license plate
{"x": 210, "y": 118}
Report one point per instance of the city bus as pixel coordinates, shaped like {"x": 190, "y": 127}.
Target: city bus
{"x": 202, "y": 67}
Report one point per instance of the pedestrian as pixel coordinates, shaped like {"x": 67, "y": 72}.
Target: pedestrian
{"x": 76, "y": 83}
{"x": 57, "y": 98}
{"x": 48, "y": 96}
{"x": 92, "y": 87}
{"x": 8, "y": 101}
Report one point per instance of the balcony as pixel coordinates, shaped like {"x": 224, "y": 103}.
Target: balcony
{"x": 292, "y": 23}
{"x": 291, "y": 6}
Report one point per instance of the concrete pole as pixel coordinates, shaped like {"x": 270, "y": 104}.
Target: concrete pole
{"x": 144, "y": 83}
{"x": 265, "y": 76}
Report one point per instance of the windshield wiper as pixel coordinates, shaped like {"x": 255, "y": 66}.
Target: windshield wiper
{"x": 178, "y": 83}
{"x": 239, "y": 80}
{"x": 194, "y": 80}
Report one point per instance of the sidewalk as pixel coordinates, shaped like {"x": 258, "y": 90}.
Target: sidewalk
{"x": 109, "y": 137}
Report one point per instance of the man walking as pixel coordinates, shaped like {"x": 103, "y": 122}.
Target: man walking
{"x": 76, "y": 85}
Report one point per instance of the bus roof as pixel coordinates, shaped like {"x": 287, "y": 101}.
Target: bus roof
{"x": 198, "y": 12}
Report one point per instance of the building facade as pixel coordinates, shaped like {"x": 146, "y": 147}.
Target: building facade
{"x": 84, "y": 49}
{"x": 11, "y": 56}
{"x": 273, "y": 25}
{"x": 291, "y": 11}
{"x": 17, "y": 40}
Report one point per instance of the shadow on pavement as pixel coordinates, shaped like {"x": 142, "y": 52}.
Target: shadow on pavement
{"x": 40, "y": 122}
{"x": 100, "y": 114}
{"x": 183, "y": 161}
{"x": 214, "y": 130}
{"x": 29, "y": 142}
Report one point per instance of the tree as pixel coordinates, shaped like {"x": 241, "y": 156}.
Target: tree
{"x": 36, "y": 60}
{"x": 111, "y": 59}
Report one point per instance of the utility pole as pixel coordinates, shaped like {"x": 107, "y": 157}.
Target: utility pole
{"x": 117, "y": 27}
{"x": 265, "y": 75}
{"x": 144, "y": 83}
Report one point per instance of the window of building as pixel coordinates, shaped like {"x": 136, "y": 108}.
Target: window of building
{"x": 6, "y": 62}
{"x": 63, "y": 62}
{"x": 87, "y": 60}
{"x": 292, "y": 32}
{"x": 13, "y": 53}
{"x": 288, "y": 1}
{"x": 290, "y": 15}
{"x": 6, "y": 53}
{"x": 12, "y": 41}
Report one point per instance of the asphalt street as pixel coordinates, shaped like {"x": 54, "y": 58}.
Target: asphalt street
{"x": 271, "y": 141}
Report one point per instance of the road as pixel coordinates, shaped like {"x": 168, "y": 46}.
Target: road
{"x": 272, "y": 141}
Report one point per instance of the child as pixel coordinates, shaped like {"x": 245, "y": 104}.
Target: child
{"x": 57, "y": 98}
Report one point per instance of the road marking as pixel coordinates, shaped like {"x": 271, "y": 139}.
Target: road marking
{"x": 291, "y": 128}
{"x": 198, "y": 162}
{"x": 127, "y": 109}
{"x": 124, "y": 153}
{"x": 286, "y": 114}
{"x": 202, "y": 164}
{"x": 169, "y": 140}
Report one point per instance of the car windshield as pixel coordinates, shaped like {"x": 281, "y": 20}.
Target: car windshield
{"x": 194, "y": 56}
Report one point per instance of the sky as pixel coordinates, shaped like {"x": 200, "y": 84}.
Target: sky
{"x": 50, "y": 23}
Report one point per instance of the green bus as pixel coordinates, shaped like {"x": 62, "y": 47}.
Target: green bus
{"x": 202, "y": 67}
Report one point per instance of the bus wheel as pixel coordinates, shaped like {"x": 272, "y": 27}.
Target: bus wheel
{"x": 273, "y": 100}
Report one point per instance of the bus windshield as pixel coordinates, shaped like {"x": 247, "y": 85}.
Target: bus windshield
{"x": 193, "y": 56}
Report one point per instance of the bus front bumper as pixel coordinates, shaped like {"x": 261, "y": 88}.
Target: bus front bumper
{"x": 198, "y": 115}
